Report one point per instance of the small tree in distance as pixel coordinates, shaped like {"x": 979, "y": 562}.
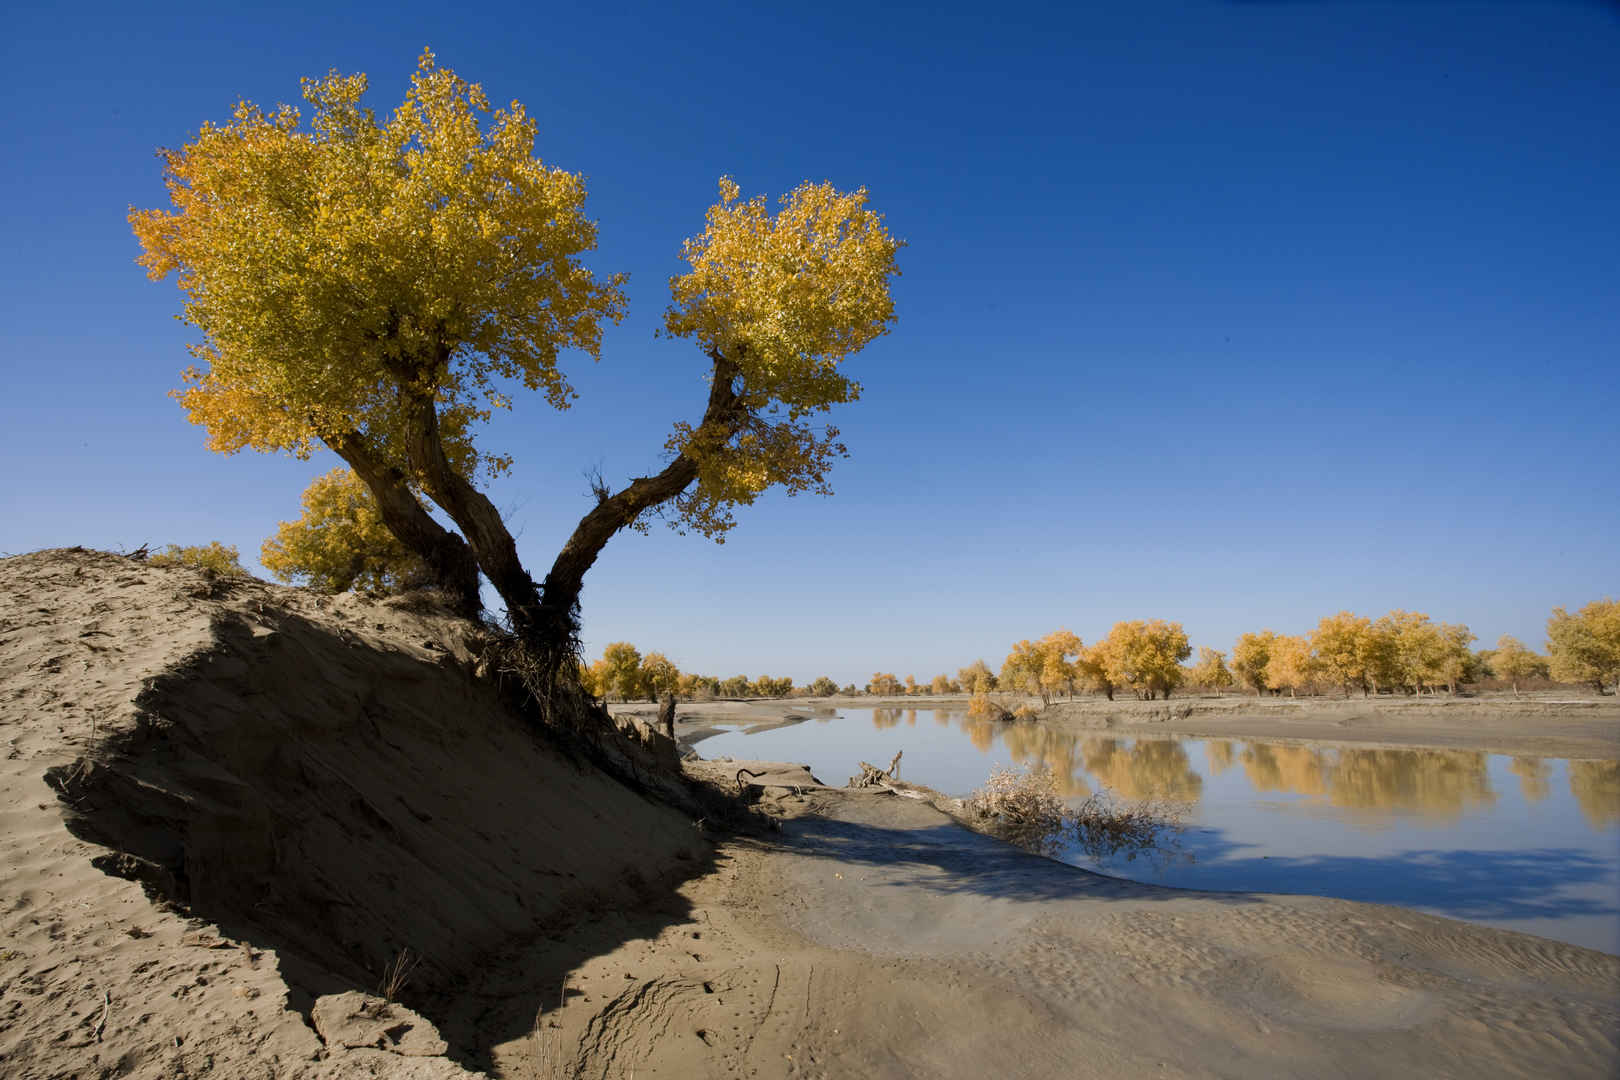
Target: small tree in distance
{"x": 340, "y": 542}
{"x": 1211, "y": 671}
{"x": 214, "y": 557}
{"x": 1585, "y": 647}
{"x": 1515, "y": 663}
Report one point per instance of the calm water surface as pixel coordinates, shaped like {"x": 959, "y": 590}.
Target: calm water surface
{"x": 1528, "y": 844}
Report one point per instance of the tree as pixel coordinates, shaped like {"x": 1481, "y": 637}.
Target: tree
{"x": 1058, "y": 651}
{"x": 1585, "y": 647}
{"x": 1292, "y": 665}
{"x": 340, "y": 542}
{"x": 1420, "y": 653}
{"x": 1092, "y": 668}
{"x": 884, "y": 685}
{"x": 659, "y": 677}
{"x": 214, "y": 557}
{"x": 767, "y": 686}
{"x": 940, "y": 685}
{"x": 823, "y": 687}
{"x": 1340, "y": 652}
{"x": 911, "y": 685}
{"x": 692, "y": 686}
{"x": 1515, "y": 663}
{"x": 378, "y": 288}
{"x": 621, "y": 671}
{"x": 736, "y": 686}
{"x": 970, "y": 675}
{"x": 1250, "y": 656}
{"x": 1146, "y": 656}
{"x": 1021, "y": 671}
{"x": 1211, "y": 670}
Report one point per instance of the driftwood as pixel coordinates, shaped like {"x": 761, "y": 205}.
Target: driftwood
{"x": 872, "y": 776}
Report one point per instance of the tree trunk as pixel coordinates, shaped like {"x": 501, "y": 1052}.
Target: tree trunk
{"x": 445, "y": 554}
{"x": 480, "y": 523}
{"x": 558, "y": 613}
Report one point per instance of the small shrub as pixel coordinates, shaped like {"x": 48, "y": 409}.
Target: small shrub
{"x": 214, "y": 557}
{"x": 1105, "y": 828}
{"x": 1026, "y": 809}
{"x": 1023, "y": 808}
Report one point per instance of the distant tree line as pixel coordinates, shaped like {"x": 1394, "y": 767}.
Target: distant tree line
{"x": 623, "y": 672}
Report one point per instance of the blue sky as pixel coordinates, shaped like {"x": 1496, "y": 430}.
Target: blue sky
{"x": 1234, "y": 313}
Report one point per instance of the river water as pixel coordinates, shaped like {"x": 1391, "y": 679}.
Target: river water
{"x": 1527, "y": 844}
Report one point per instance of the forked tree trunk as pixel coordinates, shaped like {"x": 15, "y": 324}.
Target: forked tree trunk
{"x": 558, "y": 613}
{"x": 480, "y": 523}
{"x": 546, "y": 617}
{"x": 446, "y": 555}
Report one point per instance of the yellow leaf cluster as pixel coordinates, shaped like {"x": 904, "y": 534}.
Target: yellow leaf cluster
{"x": 784, "y": 299}
{"x": 1145, "y": 656}
{"x": 213, "y": 557}
{"x": 340, "y": 542}
{"x": 1585, "y": 647}
{"x": 329, "y": 266}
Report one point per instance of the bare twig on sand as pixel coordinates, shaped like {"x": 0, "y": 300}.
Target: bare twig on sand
{"x": 106, "y": 1010}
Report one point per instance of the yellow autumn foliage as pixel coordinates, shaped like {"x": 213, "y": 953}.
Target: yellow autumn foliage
{"x": 340, "y": 542}
{"x": 213, "y": 557}
{"x": 785, "y": 298}
{"x": 329, "y": 265}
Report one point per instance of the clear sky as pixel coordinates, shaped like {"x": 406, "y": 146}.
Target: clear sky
{"x": 1233, "y": 313}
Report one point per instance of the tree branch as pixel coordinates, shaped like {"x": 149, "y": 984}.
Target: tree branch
{"x": 445, "y": 554}
{"x": 721, "y": 418}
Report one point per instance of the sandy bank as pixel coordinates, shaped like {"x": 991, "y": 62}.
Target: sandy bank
{"x": 230, "y": 807}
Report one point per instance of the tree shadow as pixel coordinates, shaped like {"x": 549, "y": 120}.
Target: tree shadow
{"x": 319, "y": 792}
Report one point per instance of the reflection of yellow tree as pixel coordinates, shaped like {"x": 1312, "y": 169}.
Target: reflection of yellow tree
{"x": 1439, "y": 782}
{"x": 1219, "y": 753}
{"x": 1596, "y": 786}
{"x": 1150, "y": 769}
{"x": 1533, "y": 774}
{"x": 1276, "y": 767}
{"x": 981, "y": 732}
{"x": 883, "y": 719}
{"x": 911, "y": 717}
{"x": 1056, "y": 751}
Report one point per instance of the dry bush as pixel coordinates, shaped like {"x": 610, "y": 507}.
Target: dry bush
{"x": 1026, "y": 809}
{"x": 1106, "y": 828}
{"x": 213, "y": 557}
{"x": 1023, "y": 808}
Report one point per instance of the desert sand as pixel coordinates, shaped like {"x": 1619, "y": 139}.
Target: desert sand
{"x": 231, "y": 809}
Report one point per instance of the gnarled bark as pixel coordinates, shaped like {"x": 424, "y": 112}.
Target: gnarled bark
{"x": 559, "y": 604}
{"x": 480, "y": 523}
{"x": 446, "y": 555}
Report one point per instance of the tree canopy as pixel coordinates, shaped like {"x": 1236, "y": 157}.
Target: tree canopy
{"x": 379, "y": 286}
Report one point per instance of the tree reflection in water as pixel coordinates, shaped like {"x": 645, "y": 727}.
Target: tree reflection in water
{"x": 1596, "y": 786}
{"x": 1533, "y": 774}
{"x": 1429, "y": 782}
